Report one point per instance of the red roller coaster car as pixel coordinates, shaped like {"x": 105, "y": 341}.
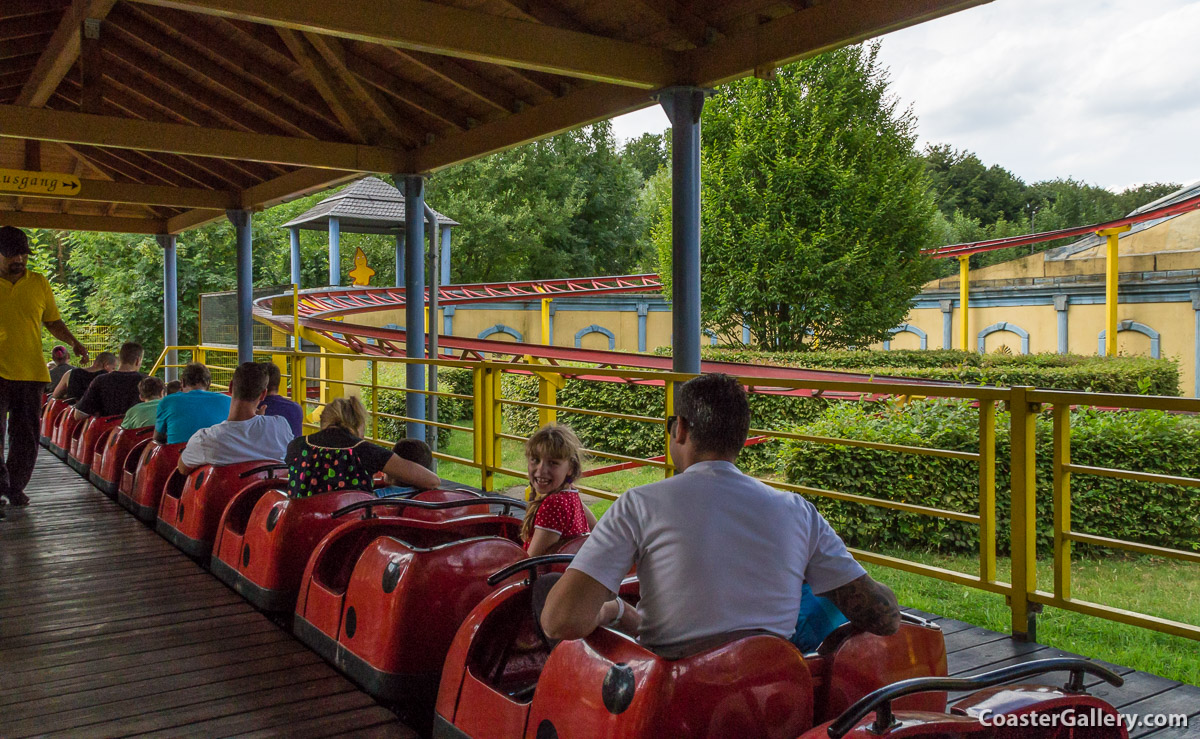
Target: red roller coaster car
{"x": 50, "y": 413}
{"x": 109, "y": 461}
{"x": 150, "y": 473}
{"x": 382, "y": 597}
{"x": 503, "y": 679}
{"x": 266, "y": 538}
{"x": 94, "y": 433}
{"x": 190, "y": 509}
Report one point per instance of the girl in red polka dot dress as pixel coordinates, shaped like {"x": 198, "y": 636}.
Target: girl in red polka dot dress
{"x": 555, "y": 460}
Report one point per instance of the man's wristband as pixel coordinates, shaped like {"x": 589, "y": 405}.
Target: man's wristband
{"x": 616, "y": 621}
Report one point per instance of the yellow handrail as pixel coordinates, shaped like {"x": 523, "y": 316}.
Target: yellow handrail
{"x": 1024, "y": 405}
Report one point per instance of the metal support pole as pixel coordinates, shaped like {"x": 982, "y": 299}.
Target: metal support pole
{"x": 400, "y": 259}
{"x": 683, "y": 106}
{"x": 435, "y": 272}
{"x": 1111, "y": 272}
{"x": 335, "y": 252}
{"x": 414, "y": 308}
{"x": 170, "y": 302}
{"x": 295, "y": 238}
{"x": 964, "y": 284}
{"x": 245, "y": 283}
{"x": 445, "y": 273}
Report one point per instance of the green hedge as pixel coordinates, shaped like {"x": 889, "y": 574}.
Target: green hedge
{"x": 1152, "y": 441}
{"x": 1122, "y": 374}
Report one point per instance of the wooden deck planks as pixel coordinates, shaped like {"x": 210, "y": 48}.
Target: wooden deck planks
{"x": 107, "y": 630}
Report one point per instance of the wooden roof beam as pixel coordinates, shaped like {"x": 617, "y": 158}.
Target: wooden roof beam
{"x": 483, "y": 90}
{"x": 370, "y": 100}
{"x": 30, "y": 46}
{"x": 586, "y": 104}
{"x": 247, "y": 98}
{"x": 97, "y": 130}
{"x": 438, "y": 112}
{"x": 62, "y": 51}
{"x": 104, "y": 191}
{"x": 295, "y": 184}
{"x": 807, "y": 33}
{"x": 226, "y": 43}
{"x": 451, "y": 31}
{"x": 75, "y": 222}
{"x": 326, "y": 84}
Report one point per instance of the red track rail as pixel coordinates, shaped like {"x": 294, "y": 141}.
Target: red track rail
{"x": 339, "y": 301}
{"x": 958, "y": 250}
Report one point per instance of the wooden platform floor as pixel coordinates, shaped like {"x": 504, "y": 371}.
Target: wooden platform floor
{"x": 108, "y": 630}
{"x": 971, "y": 650}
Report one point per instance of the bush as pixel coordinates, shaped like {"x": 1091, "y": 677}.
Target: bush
{"x": 450, "y": 410}
{"x": 1164, "y": 515}
{"x": 1122, "y": 374}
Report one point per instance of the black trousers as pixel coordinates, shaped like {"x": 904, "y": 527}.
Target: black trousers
{"x": 20, "y": 403}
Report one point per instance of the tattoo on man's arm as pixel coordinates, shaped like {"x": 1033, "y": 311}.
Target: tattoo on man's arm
{"x": 868, "y": 604}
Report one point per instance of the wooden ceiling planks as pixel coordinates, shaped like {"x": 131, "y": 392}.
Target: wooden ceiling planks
{"x": 462, "y": 78}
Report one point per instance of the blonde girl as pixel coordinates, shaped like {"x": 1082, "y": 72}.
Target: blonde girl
{"x": 554, "y": 458}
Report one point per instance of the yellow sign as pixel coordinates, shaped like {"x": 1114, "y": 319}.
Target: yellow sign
{"x": 43, "y": 183}
{"x": 284, "y": 305}
{"x": 361, "y": 274}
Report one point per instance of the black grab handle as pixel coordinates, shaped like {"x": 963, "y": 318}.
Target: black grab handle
{"x": 263, "y": 468}
{"x": 532, "y": 564}
{"x": 441, "y": 505}
{"x": 880, "y": 700}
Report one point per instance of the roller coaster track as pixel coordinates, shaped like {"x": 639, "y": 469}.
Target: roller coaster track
{"x": 317, "y": 308}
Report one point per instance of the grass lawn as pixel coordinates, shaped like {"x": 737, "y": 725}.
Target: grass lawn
{"x": 1154, "y": 586}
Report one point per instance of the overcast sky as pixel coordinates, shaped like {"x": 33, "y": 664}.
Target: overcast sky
{"x": 1105, "y": 92}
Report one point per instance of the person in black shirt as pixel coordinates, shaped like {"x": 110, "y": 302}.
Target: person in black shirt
{"x": 338, "y": 458}
{"x": 59, "y": 367}
{"x": 115, "y": 392}
{"x": 75, "y": 383}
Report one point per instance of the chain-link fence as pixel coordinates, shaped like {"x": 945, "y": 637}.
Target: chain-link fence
{"x": 219, "y": 318}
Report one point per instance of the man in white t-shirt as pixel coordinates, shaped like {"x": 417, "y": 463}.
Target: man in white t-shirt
{"x": 717, "y": 552}
{"x": 245, "y": 436}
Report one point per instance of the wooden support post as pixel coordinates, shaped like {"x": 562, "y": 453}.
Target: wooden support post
{"x": 91, "y": 62}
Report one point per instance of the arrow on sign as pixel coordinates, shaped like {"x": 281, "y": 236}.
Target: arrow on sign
{"x": 44, "y": 183}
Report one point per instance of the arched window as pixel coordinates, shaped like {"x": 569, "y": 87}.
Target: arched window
{"x": 1012, "y": 328}
{"x": 594, "y": 329}
{"x": 906, "y": 328}
{"x": 1140, "y": 328}
{"x": 500, "y": 328}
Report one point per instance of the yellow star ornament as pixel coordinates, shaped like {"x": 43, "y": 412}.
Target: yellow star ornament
{"x": 361, "y": 274}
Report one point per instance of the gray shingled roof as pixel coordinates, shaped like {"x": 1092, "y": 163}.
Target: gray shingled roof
{"x": 367, "y": 206}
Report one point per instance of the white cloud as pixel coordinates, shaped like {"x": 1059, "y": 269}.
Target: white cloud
{"x": 1104, "y": 92}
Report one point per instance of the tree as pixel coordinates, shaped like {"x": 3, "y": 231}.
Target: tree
{"x": 814, "y": 208}
{"x": 960, "y": 182}
{"x": 647, "y": 153}
{"x": 560, "y": 207}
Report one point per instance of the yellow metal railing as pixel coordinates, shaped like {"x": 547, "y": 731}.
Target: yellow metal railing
{"x": 1024, "y": 405}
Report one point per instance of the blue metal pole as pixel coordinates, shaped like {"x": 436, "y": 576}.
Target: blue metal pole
{"x": 170, "y": 302}
{"x": 245, "y": 284}
{"x": 445, "y": 255}
{"x": 683, "y": 106}
{"x": 335, "y": 252}
{"x": 414, "y": 304}
{"x": 295, "y": 234}
{"x": 400, "y": 259}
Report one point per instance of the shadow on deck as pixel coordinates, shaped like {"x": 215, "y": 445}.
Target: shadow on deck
{"x": 106, "y": 629}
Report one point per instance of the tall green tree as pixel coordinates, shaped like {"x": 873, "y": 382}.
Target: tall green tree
{"x": 648, "y": 153}
{"x": 961, "y": 183}
{"x": 815, "y": 206}
{"x": 560, "y": 207}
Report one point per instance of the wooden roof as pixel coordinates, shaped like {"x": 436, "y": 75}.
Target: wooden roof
{"x": 172, "y": 111}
